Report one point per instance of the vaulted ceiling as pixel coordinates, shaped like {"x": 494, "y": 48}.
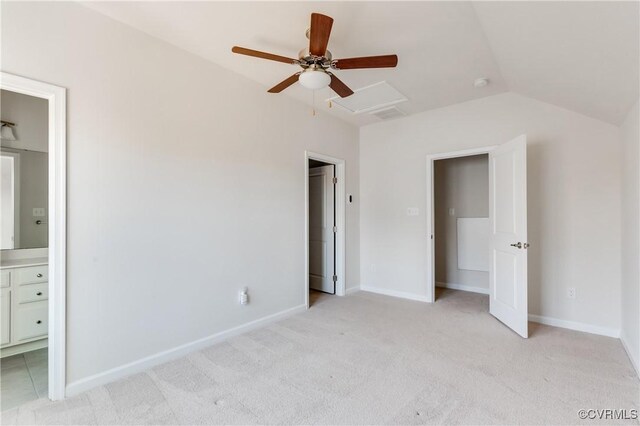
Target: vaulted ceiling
{"x": 582, "y": 56}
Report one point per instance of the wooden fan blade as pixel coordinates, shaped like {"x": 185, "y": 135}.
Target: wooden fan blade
{"x": 385, "y": 61}
{"x": 283, "y": 85}
{"x": 263, "y": 55}
{"x": 339, "y": 87}
{"x": 319, "y": 34}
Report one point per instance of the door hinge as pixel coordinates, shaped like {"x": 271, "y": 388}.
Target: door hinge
{"x": 335, "y": 229}
{"x": 335, "y": 278}
{"x": 335, "y": 180}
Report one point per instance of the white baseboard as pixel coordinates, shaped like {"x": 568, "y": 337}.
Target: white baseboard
{"x": 634, "y": 361}
{"x": 463, "y": 287}
{"x": 573, "y": 325}
{"x": 394, "y": 293}
{"x": 352, "y": 290}
{"x": 177, "y": 352}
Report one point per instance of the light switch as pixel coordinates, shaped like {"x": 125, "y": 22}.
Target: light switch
{"x": 413, "y": 211}
{"x": 38, "y": 212}
{"x": 452, "y": 211}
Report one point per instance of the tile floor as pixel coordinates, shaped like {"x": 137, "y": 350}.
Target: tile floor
{"x": 23, "y": 378}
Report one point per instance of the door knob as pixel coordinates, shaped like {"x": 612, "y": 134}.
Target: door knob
{"x": 517, "y": 245}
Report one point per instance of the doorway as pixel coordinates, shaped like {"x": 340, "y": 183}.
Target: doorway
{"x": 324, "y": 234}
{"x": 507, "y": 231}
{"x": 322, "y": 227}
{"x": 33, "y": 278}
{"x": 461, "y": 214}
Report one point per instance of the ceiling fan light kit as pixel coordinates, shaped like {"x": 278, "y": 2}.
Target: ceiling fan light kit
{"x": 316, "y": 61}
{"x": 314, "y": 78}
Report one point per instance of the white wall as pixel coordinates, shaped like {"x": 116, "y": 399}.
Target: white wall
{"x": 461, "y": 184}
{"x": 630, "y": 330}
{"x": 573, "y": 200}
{"x": 185, "y": 183}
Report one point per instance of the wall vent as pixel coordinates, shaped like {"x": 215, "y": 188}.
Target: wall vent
{"x": 388, "y": 113}
{"x": 370, "y": 98}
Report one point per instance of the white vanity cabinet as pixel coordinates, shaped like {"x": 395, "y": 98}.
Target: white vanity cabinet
{"x": 24, "y": 306}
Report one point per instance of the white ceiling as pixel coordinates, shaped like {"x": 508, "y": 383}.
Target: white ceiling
{"x": 581, "y": 56}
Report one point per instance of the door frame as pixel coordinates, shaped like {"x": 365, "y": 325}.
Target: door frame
{"x": 340, "y": 207}
{"x": 56, "y": 98}
{"x": 430, "y": 210}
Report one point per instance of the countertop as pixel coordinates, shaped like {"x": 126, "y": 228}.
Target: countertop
{"x": 17, "y": 263}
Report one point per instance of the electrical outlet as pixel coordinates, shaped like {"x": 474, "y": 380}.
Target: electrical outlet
{"x": 571, "y": 293}
{"x": 413, "y": 211}
{"x": 244, "y": 296}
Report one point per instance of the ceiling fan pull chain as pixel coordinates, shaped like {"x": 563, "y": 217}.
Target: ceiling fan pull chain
{"x": 313, "y": 103}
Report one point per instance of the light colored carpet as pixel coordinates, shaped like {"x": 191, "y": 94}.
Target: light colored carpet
{"x": 370, "y": 359}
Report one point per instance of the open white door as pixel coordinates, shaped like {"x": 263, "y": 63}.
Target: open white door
{"x": 322, "y": 229}
{"x": 508, "y": 237}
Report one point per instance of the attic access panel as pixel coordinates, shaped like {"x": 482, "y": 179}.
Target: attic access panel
{"x": 370, "y": 98}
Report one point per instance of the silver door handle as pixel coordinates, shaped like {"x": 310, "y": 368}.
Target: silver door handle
{"x": 520, "y": 245}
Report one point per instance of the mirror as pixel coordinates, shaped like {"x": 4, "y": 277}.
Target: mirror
{"x": 23, "y": 171}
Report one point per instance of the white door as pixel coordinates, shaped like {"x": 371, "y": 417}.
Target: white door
{"x": 508, "y": 237}
{"x": 7, "y": 202}
{"x": 321, "y": 229}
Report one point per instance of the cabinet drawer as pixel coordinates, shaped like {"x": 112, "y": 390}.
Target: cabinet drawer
{"x": 33, "y": 292}
{"x": 5, "y": 278}
{"x": 31, "y": 320}
{"x": 5, "y": 317}
{"x": 32, "y": 274}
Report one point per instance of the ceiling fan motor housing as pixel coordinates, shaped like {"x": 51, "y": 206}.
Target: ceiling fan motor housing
{"x": 306, "y": 58}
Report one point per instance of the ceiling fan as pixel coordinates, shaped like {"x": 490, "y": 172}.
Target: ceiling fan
{"x": 317, "y": 63}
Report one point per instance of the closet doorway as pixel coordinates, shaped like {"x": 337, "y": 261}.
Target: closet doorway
{"x": 324, "y": 233}
{"x": 322, "y": 227}
{"x": 461, "y": 215}
{"x": 498, "y": 240}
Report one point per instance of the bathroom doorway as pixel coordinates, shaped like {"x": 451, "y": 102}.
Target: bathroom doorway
{"x": 32, "y": 270}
